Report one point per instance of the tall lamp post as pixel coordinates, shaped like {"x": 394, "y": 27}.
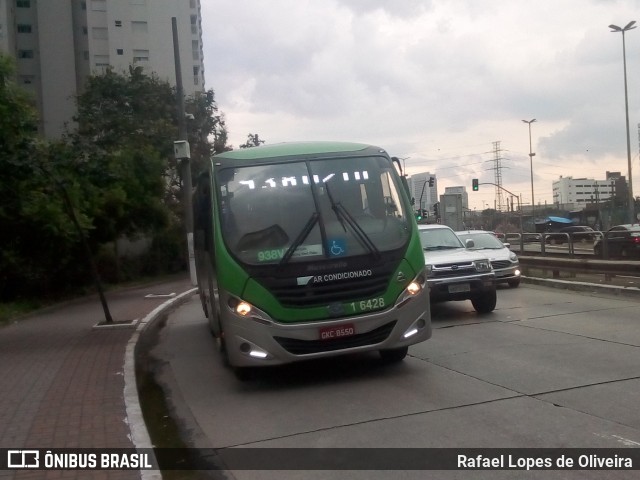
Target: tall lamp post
{"x": 615, "y": 28}
{"x": 531, "y": 155}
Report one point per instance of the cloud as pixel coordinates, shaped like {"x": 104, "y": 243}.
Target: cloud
{"x": 433, "y": 80}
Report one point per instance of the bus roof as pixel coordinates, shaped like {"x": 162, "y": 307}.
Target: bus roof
{"x": 294, "y": 148}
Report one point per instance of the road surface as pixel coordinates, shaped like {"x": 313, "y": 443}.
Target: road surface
{"x": 548, "y": 368}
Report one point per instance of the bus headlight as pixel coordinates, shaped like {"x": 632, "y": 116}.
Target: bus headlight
{"x": 243, "y": 308}
{"x": 411, "y": 290}
{"x": 414, "y": 287}
{"x": 240, "y": 307}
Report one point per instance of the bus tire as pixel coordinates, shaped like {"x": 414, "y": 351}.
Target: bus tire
{"x": 222, "y": 348}
{"x": 203, "y": 302}
{"x": 244, "y": 374}
{"x": 394, "y": 355}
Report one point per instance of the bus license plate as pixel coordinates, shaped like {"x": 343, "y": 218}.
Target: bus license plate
{"x": 338, "y": 331}
{"x": 462, "y": 287}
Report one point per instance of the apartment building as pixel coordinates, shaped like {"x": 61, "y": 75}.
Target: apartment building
{"x": 57, "y": 44}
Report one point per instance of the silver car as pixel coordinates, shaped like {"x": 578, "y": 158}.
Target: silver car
{"x": 504, "y": 262}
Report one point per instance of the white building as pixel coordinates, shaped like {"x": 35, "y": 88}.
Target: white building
{"x": 58, "y": 44}
{"x": 576, "y": 193}
{"x": 420, "y": 189}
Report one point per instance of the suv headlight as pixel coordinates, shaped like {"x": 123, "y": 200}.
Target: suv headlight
{"x": 482, "y": 265}
{"x": 513, "y": 257}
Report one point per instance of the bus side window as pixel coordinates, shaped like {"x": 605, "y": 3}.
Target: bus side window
{"x": 202, "y": 218}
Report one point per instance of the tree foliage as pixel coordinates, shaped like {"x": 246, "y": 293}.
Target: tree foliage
{"x": 116, "y": 166}
{"x": 253, "y": 140}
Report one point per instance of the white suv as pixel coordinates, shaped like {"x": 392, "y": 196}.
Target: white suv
{"x": 454, "y": 272}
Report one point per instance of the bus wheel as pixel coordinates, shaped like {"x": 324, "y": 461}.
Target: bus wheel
{"x": 244, "y": 374}
{"x": 204, "y": 306}
{"x": 394, "y": 355}
{"x": 222, "y": 347}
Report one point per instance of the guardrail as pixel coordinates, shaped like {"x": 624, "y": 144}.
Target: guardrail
{"x": 608, "y": 268}
{"x": 571, "y": 240}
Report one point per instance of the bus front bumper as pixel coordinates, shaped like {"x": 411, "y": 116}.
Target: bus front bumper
{"x": 262, "y": 341}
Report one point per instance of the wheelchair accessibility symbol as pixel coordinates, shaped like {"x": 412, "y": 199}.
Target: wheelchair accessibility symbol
{"x": 337, "y": 248}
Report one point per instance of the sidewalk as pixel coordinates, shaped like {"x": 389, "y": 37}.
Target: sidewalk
{"x": 62, "y": 381}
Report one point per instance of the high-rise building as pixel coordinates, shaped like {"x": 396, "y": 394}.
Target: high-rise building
{"x": 58, "y": 44}
{"x": 424, "y": 195}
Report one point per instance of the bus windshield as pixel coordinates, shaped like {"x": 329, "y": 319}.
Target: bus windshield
{"x": 310, "y": 210}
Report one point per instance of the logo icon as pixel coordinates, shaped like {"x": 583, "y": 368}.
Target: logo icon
{"x": 337, "y": 248}
{"x": 23, "y": 459}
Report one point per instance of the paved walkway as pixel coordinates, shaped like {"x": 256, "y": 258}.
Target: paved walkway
{"x": 63, "y": 382}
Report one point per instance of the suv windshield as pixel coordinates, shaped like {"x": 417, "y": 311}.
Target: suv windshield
{"x": 439, "y": 239}
{"x": 314, "y": 209}
{"x": 482, "y": 241}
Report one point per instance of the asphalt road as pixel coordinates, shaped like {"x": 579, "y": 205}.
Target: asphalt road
{"x": 548, "y": 368}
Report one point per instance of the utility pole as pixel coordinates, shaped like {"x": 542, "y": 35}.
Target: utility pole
{"x": 183, "y": 155}
{"x": 497, "y": 159}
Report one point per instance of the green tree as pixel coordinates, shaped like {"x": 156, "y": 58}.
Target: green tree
{"x": 114, "y": 172}
{"x": 32, "y": 220}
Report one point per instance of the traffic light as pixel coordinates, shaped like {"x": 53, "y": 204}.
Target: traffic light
{"x": 431, "y": 180}
{"x": 436, "y": 209}
{"x": 418, "y": 215}
{"x": 474, "y": 184}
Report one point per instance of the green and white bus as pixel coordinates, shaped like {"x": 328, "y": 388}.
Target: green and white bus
{"x": 308, "y": 250}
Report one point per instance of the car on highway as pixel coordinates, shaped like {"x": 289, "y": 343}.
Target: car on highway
{"x": 455, "y": 272}
{"x": 623, "y": 241}
{"x": 577, "y": 233}
{"x": 504, "y": 262}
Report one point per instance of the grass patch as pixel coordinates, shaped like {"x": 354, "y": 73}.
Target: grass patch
{"x": 12, "y": 310}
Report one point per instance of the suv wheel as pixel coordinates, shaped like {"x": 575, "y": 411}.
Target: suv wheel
{"x": 486, "y": 303}
{"x": 514, "y": 283}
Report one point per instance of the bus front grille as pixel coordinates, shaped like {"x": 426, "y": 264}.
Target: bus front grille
{"x": 302, "y": 347}
{"x": 314, "y": 294}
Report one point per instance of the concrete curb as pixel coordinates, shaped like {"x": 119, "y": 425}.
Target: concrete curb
{"x": 583, "y": 286}
{"x": 139, "y": 433}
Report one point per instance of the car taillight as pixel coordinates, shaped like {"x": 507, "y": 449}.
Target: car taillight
{"x": 635, "y": 239}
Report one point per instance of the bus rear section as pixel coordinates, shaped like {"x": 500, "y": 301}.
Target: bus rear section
{"x": 309, "y": 250}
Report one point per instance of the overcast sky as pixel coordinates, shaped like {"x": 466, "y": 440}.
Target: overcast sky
{"x": 436, "y": 81}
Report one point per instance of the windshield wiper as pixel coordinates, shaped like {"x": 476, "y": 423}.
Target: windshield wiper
{"x": 343, "y": 214}
{"x": 440, "y": 247}
{"x": 304, "y": 233}
{"x": 362, "y": 236}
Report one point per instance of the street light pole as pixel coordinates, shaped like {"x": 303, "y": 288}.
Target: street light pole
{"x": 615, "y": 28}
{"x": 531, "y": 155}
{"x": 184, "y": 158}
